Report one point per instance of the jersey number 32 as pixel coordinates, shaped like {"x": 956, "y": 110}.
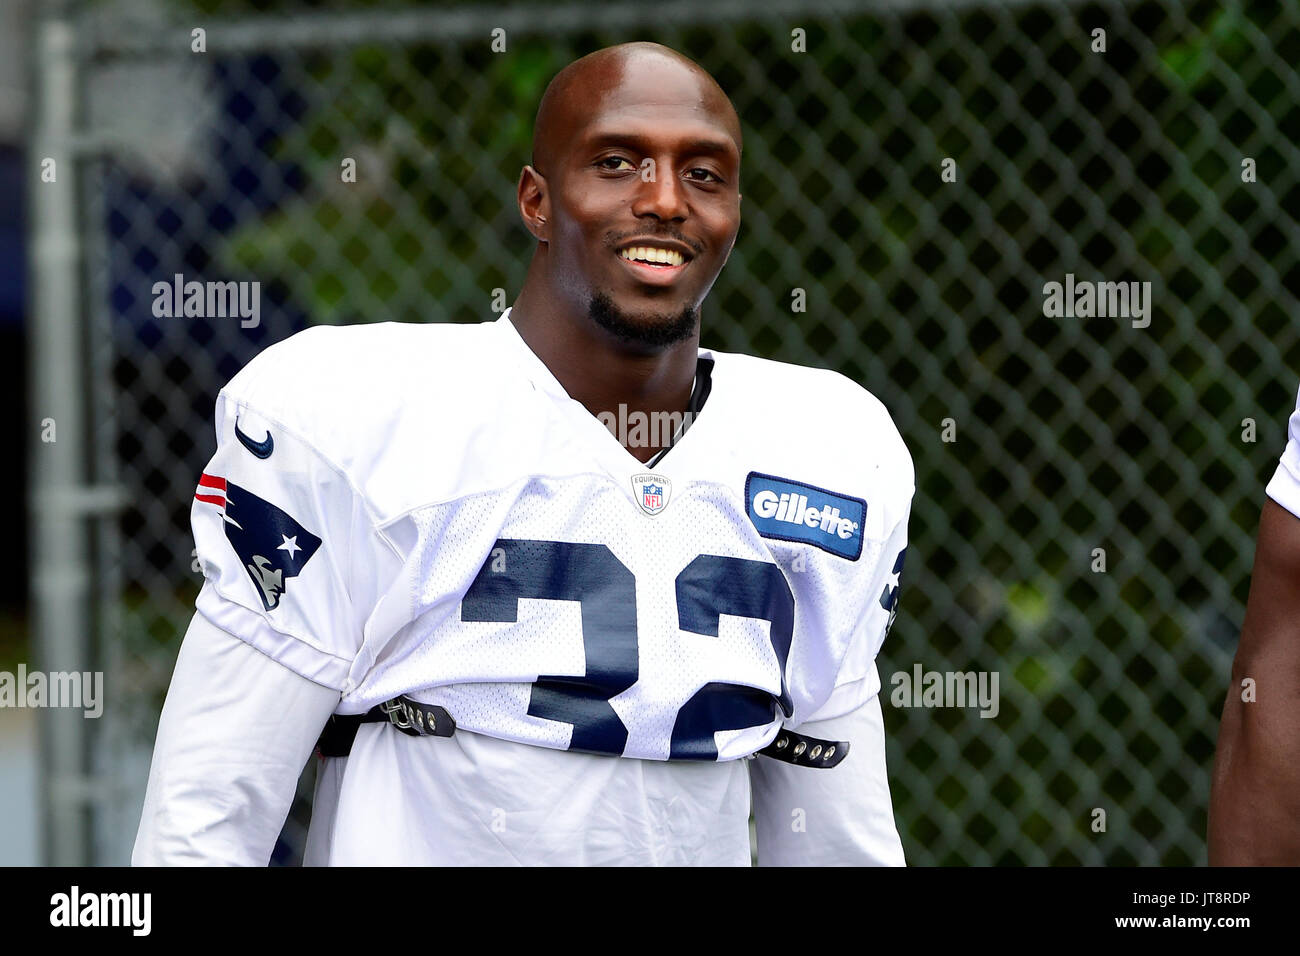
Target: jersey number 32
{"x": 709, "y": 586}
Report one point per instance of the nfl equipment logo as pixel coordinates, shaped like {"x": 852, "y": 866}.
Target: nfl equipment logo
{"x": 651, "y": 492}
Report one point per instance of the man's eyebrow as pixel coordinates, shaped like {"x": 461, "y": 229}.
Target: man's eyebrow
{"x": 721, "y": 146}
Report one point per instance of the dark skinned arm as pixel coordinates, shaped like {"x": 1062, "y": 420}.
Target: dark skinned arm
{"x": 1255, "y": 793}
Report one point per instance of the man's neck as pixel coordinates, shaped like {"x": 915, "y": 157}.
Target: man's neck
{"x": 597, "y": 371}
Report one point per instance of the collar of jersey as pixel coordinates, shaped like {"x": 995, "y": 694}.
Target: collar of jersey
{"x": 604, "y": 444}
{"x": 537, "y": 371}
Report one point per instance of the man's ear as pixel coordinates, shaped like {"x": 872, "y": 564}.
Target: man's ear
{"x": 534, "y": 202}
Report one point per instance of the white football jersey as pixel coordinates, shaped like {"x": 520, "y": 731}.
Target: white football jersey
{"x": 422, "y": 510}
{"x": 1284, "y": 488}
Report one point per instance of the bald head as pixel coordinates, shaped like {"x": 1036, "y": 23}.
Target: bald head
{"x": 574, "y": 96}
{"x": 635, "y": 148}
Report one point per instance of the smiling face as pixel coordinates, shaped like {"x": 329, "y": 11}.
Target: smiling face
{"x": 641, "y": 160}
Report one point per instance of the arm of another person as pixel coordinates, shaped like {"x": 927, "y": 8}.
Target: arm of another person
{"x": 235, "y": 733}
{"x": 1255, "y": 794}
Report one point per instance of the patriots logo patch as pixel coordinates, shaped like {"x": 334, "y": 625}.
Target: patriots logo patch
{"x": 272, "y": 545}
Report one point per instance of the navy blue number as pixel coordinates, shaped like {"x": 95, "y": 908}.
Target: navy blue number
{"x": 709, "y": 587}
{"x": 889, "y": 596}
{"x": 590, "y": 574}
{"x": 606, "y": 592}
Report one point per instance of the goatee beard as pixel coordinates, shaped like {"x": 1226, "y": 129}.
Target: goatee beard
{"x": 657, "y": 332}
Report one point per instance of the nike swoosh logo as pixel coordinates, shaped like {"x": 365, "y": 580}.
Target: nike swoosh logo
{"x": 262, "y": 449}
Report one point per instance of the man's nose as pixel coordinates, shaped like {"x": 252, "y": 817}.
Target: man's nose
{"x": 661, "y": 194}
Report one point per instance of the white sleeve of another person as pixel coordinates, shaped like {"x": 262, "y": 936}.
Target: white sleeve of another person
{"x": 1284, "y": 488}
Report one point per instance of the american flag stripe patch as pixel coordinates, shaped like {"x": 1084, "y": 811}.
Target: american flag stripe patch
{"x": 215, "y": 489}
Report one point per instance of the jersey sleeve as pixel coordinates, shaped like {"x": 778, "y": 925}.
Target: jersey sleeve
{"x": 1284, "y": 488}
{"x": 842, "y": 816}
{"x": 279, "y": 535}
{"x": 857, "y": 680}
{"x": 233, "y": 736}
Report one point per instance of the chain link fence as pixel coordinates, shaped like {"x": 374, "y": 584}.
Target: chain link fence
{"x": 1088, "y": 489}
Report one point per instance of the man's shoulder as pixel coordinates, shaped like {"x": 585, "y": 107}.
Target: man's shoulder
{"x": 807, "y": 385}
{"x": 350, "y": 390}
{"x": 814, "y": 411}
{"x": 363, "y": 367}
{"x": 355, "y": 357}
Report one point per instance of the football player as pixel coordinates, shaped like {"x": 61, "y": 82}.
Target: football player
{"x": 512, "y": 634}
{"x": 1255, "y": 795}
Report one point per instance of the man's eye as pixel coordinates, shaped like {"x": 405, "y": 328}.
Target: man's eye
{"x": 706, "y": 172}
{"x": 615, "y": 159}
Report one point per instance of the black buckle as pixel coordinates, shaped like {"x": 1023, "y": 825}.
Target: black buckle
{"x": 418, "y": 720}
{"x": 802, "y": 751}
{"x": 409, "y": 716}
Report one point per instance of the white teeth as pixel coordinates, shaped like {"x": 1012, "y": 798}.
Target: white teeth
{"x": 669, "y": 257}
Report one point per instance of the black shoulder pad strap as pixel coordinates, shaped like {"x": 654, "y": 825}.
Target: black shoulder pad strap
{"x": 429, "y": 720}
{"x": 806, "y": 751}
{"x": 409, "y": 716}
